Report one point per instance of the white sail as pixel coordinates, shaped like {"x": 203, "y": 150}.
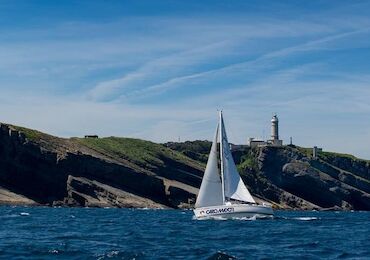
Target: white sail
{"x": 220, "y": 188}
{"x": 210, "y": 192}
{"x": 233, "y": 184}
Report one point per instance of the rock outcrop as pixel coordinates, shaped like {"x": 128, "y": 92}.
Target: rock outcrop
{"x": 85, "y": 192}
{"x": 288, "y": 176}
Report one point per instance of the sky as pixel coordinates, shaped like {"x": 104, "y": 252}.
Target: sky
{"x": 160, "y": 70}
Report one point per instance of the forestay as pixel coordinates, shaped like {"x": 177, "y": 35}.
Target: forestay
{"x": 210, "y": 192}
{"x": 234, "y": 185}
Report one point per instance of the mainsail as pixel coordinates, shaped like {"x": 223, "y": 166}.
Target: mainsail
{"x": 233, "y": 184}
{"x": 210, "y": 192}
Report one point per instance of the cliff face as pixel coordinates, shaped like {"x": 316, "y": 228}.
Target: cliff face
{"x": 37, "y": 168}
{"x": 48, "y": 170}
{"x": 291, "y": 178}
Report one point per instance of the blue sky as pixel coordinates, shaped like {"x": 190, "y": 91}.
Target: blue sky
{"x": 160, "y": 69}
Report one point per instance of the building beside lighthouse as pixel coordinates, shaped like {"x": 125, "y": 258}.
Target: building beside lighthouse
{"x": 274, "y": 141}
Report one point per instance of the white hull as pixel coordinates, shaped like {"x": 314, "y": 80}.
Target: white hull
{"x": 234, "y": 211}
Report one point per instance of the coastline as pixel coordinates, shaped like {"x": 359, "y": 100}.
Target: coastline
{"x": 40, "y": 169}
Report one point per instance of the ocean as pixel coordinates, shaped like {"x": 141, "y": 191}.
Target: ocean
{"x": 91, "y": 233}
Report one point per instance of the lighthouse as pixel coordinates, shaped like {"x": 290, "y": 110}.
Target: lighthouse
{"x": 275, "y": 128}
{"x": 275, "y": 132}
{"x": 274, "y": 141}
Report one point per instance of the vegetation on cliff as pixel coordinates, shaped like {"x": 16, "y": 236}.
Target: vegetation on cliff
{"x": 30, "y": 134}
{"x": 143, "y": 153}
{"x": 197, "y": 150}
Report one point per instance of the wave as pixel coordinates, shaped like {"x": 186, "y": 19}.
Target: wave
{"x": 296, "y": 218}
{"x": 54, "y": 251}
{"x": 210, "y": 218}
{"x": 221, "y": 256}
{"x": 146, "y": 208}
{"x": 245, "y": 218}
{"x": 306, "y": 218}
{"x": 9, "y": 216}
{"x": 116, "y": 254}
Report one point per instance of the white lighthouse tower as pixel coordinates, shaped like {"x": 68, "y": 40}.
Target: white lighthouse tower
{"x": 275, "y": 128}
{"x": 275, "y": 132}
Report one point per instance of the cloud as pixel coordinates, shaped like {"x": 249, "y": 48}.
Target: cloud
{"x": 158, "y": 75}
{"x": 218, "y": 40}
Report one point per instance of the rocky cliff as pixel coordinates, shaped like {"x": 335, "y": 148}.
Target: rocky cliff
{"x": 290, "y": 177}
{"x": 39, "y": 169}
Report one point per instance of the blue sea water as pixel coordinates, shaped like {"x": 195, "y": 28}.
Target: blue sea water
{"x": 89, "y": 233}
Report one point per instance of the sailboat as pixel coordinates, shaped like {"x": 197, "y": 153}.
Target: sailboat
{"x": 223, "y": 193}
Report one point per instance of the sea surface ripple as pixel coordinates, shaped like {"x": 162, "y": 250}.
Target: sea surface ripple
{"x": 90, "y": 233}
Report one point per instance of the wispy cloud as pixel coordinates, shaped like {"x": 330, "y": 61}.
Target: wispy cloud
{"x": 159, "y": 76}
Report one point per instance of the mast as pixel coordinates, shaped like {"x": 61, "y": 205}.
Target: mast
{"x": 222, "y": 159}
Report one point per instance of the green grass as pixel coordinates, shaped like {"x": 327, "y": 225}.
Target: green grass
{"x": 330, "y": 155}
{"x": 248, "y": 162}
{"x": 143, "y": 153}
{"x": 32, "y": 135}
{"x": 305, "y": 151}
{"x": 197, "y": 150}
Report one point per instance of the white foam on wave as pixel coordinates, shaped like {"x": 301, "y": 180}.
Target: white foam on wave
{"x": 24, "y": 214}
{"x": 113, "y": 253}
{"x": 146, "y": 208}
{"x": 210, "y": 218}
{"x": 306, "y": 218}
{"x": 245, "y": 218}
{"x": 219, "y": 218}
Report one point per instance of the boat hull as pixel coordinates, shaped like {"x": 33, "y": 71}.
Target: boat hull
{"x": 234, "y": 211}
